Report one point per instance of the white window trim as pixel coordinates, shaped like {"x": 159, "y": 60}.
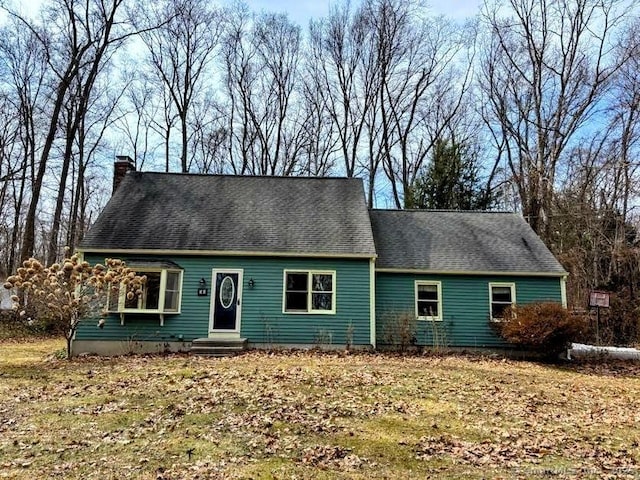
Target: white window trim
{"x": 163, "y": 284}
{"x": 213, "y": 333}
{"x": 436, "y": 318}
{"x": 309, "y": 310}
{"x": 511, "y": 285}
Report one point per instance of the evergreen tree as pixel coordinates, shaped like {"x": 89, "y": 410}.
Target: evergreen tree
{"x": 451, "y": 181}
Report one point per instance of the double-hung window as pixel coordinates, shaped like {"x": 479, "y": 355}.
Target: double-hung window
{"x": 502, "y": 295}
{"x": 428, "y": 300}
{"x": 309, "y": 291}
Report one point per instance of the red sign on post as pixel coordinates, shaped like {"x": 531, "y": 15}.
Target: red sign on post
{"x": 599, "y": 299}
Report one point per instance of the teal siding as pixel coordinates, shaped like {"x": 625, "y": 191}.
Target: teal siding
{"x": 465, "y": 309}
{"x": 262, "y": 319}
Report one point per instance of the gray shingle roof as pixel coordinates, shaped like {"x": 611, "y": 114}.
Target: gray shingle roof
{"x": 159, "y": 211}
{"x": 457, "y": 241}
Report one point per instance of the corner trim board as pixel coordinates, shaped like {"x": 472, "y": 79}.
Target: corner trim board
{"x": 563, "y": 291}
{"x": 372, "y": 302}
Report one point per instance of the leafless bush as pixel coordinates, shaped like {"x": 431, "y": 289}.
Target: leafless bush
{"x": 399, "y": 330}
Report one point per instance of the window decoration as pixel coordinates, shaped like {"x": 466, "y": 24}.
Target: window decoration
{"x": 227, "y": 292}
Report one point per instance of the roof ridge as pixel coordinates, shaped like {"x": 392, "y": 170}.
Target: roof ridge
{"x": 231, "y": 175}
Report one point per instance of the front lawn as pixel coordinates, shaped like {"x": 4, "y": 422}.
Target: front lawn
{"x": 306, "y": 415}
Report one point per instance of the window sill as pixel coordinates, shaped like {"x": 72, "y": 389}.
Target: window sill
{"x": 313, "y": 312}
{"x": 144, "y": 312}
{"x": 429, "y": 319}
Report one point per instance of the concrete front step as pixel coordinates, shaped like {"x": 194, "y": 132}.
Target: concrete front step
{"x": 214, "y": 347}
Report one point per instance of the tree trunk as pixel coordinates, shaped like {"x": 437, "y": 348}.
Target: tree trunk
{"x": 52, "y": 251}
{"x": 29, "y": 239}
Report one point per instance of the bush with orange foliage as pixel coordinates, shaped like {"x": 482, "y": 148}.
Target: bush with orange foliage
{"x": 545, "y": 327}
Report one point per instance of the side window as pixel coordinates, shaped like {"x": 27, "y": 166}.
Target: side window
{"x": 113, "y": 298}
{"x": 428, "y": 300}
{"x": 502, "y": 295}
{"x": 172, "y": 292}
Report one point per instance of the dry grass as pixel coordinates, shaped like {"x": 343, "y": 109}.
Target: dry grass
{"x": 312, "y": 416}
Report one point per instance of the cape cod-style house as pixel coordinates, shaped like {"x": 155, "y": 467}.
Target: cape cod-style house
{"x": 236, "y": 261}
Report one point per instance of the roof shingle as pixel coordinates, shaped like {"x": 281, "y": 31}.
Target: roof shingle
{"x": 288, "y": 215}
{"x": 459, "y": 241}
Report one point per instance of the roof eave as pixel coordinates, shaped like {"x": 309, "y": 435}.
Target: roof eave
{"x": 223, "y": 253}
{"x": 472, "y": 272}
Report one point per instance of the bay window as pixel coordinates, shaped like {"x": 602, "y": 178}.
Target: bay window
{"x": 161, "y": 293}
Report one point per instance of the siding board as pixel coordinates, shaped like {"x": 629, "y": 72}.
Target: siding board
{"x": 262, "y": 319}
{"x": 465, "y": 306}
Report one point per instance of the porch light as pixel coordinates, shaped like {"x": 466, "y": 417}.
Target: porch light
{"x": 203, "y": 283}
{"x": 252, "y": 283}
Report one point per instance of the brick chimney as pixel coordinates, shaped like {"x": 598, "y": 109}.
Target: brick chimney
{"x": 121, "y": 166}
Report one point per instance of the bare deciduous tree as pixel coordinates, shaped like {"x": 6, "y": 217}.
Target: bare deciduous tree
{"x": 261, "y": 55}
{"x": 545, "y": 70}
{"x": 135, "y": 118}
{"x": 76, "y": 36}
{"x": 24, "y": 68}
{"x": 180, "y": 52}
{"x": 342, "y": 74}
{"x": 392, "y": 80}
{"x": 425, "y": 74}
